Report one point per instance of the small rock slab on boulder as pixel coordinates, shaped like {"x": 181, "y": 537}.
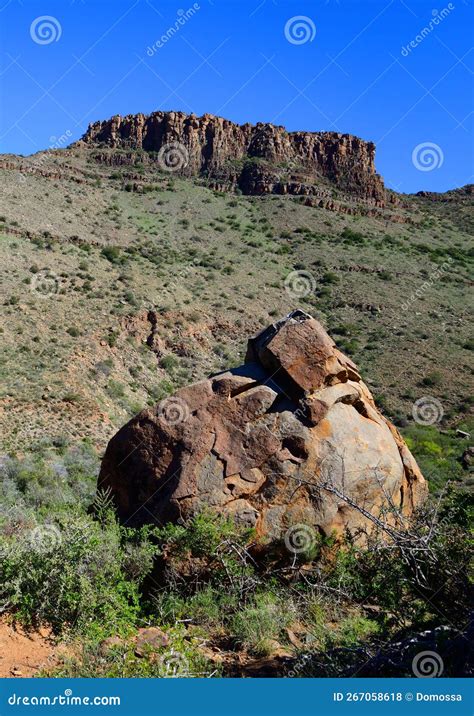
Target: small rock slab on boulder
{"x": 291, "y": 437}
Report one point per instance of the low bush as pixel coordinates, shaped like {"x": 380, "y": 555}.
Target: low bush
{"x": 208, "y": 581}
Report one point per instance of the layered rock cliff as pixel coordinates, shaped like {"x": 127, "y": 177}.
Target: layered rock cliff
{"x": 257, "y": 159}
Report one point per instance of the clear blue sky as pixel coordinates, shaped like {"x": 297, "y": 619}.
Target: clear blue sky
{"x": 232, "y": 58}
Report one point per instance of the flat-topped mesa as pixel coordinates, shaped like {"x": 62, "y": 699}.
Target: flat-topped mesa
{"x": 258, "y": 159}
{"x": 292, "y": 437}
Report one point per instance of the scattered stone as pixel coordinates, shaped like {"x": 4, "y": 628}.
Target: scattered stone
{"x": 293, "y": 639}
{"x": 150, "y": 639}
{"x": 109, "y": 644}
{"x": 467, "y": 459}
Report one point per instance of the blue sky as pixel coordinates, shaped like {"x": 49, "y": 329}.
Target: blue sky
{"x": 347, "y": 71}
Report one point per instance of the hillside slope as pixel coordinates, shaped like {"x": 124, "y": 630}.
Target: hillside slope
{"x": 125, "y": 277}
{"x": 123, "y": 282}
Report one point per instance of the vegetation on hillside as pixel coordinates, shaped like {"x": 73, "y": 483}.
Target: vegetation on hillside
{"x": 122, "y": 283}
{"x": 213, "y": 268}
{"x": 225, "y": 609}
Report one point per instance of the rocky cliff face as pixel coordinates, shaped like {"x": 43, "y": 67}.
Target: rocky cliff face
{"x": 290, "y": 441}
{"x": 257, "y": 159}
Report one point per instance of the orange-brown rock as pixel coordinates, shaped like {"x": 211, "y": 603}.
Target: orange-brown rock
{"x": 258, "y": 159}
{"x": 291, "y": 437}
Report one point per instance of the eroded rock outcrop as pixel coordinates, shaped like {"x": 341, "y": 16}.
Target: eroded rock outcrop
{"x": 258, "y": 159}
{"x": 291, "y": 437}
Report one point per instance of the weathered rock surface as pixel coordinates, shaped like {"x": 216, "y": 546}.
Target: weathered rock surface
{"x": 258, "y": 159}
{"x": 291, "y": 437}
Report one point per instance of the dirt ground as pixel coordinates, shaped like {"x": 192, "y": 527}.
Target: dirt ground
{"x": 24, "y": 653}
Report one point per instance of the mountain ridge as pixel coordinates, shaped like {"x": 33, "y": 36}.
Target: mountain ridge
{"x": 257, "y": 159}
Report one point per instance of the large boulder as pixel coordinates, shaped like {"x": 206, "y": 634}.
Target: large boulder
{"x": 292, "y": 437}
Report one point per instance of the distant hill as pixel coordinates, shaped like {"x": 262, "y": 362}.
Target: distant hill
{"x": 257, "y": 159}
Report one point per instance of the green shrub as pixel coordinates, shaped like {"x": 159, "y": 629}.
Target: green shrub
{"x": 355, "y": 629}
{"x": 262, "y": 620}
{"x": 169, "y": 362}
{"x": 208, "y": 607}
{"x": 437, "y": 453}
{"x": 71, "y": 571}
{"x": 115, "y": 389}
{"x": 112, "y": 254}
{"x": 417, "y": 576}
{"x": 432, "y": 380}
{"x": 352, "y": 237}
{"x": 181, "y": 658}
{"x": 330, "y": 277}
{"x": 112, "y": 338}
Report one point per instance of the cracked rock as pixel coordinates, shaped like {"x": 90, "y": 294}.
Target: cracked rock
{"x": 291, "y": 437}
